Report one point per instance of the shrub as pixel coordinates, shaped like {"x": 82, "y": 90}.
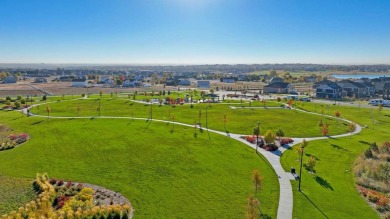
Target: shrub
{"x": 23, "y": 136}
{"x": 83, "y": 95}
{"x": 17, "y": 104}
{"x": 284, "y": 141}
{"x": 368, "y": 153}
{"x": 251, "y": 139}
{"x": 383, "y": 201}
{"x": 372, "y": 196}
{"x": 374, "y": 146}
{"x": 12, "y": 137}
{"x": 23, "y": 101}
{"x": 52, "y": 181}
{"x": 60, "y": 182}
{"x": 385, "y": 147}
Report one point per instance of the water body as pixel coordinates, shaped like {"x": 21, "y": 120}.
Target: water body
{"x": 357, "y": 76}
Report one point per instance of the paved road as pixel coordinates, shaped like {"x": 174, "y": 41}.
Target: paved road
{"x": 285, "y": 207}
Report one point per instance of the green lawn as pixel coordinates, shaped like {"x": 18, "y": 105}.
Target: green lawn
{"x": 15, "y": 192}
{"x": 239, "y": 120}
{"x": 333, "y": 193}
{"x": 163, "y": 174}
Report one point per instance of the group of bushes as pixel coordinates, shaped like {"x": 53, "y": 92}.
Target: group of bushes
{"x": 372, "y": 171}
{"x": 79, "y": 204}
{"x": 12, "y": 140}
{"x": 17, "y": 103}
{"x": 268, "y": 146}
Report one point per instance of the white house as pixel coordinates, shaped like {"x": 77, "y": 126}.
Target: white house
{"x": 79, "y": 82}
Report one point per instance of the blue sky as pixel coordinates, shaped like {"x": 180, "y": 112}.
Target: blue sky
{"x": 195, "y": 31}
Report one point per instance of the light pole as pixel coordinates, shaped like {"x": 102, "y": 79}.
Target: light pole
{"x": 207, "y": 126}
{"x": 99, "y": 106}
{"x": 300, "y": 170}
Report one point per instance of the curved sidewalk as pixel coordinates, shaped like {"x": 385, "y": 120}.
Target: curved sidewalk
{"x": 285, "y": 207}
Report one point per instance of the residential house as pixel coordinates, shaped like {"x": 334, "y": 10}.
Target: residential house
{"x": 379, "y": 84}
{"x": 276, "y": 79}
{"x": 203, "y": 84}
{"x": 386, "y": 91}
{"x": 327, "y": 89}
{"x": 310, "y": 79}
{"x": 79, "y": 82}
{"x": 353, "y": 89}
{"x": 278, "y": 87}
{"x": 184, "y": 82}
{"x": 228, "y": 80}
{"x": 66, "y": 78}
{"x": 40, "y": 80}
{"x": 9, "y": 80}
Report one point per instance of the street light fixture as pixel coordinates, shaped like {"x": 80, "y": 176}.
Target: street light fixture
{"x": 303, "y": 145}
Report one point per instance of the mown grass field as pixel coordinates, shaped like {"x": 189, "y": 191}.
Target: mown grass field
{"x": 163, "y": 174}
{"x": 239, "y": 120}
{"x": 15, "y": 192}
{"x": 332, "y": 194}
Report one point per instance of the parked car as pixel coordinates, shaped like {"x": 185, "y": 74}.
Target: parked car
{"x": 305, "y": 99}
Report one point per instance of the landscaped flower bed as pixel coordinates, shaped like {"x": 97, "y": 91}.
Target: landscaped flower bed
{"x": 372, "y": 170}
{"x": 9, "y": 141}
{"x": 59, "y": 199}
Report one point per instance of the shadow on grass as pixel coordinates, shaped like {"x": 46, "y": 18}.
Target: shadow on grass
{"x": 36, "y": 123}
{"x": 338, "y": 147}
{"x": 315, "y": 205}
{"x": 364, "y": 142}
{"x": 323, "y": 182}
{"x": 265, "y": 216}
{"x": 265, "y": 161}
{"x": 310, "y": 155}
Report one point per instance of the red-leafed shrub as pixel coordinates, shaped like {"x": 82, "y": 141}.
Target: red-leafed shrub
{"x": 69, "y": 184}
{"x": 52, "y": 181}
{"x": 60, "y": 182}
{"x": 12, "y": 137}
{"x": 251, "y": 139}
{"x": 383, "y": 201}
{"x": 284, "y": 141}
{"x": 24, "y": 136}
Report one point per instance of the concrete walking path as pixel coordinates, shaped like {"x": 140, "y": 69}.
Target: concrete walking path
{"x": 285, "y": 207}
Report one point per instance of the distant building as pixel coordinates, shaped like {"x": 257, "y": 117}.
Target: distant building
{"x": 327, "y": 89}
{"x": 278, "y": 87}
{"x": 203, "y": 84}
{"x": 228, "y": 80}
{"x": 354, "y": 89}
{"x": 184, "y": 82}
{"x": 66, "y": 78}
{"x": 10, "y": 80}
{"x": 79, "y": 82}
{"x": 40, "y": 80}
{"x": 276, "y": 80}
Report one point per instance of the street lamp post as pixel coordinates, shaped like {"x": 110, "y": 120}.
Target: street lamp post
{"x": 99, "y": 106}
{"x": 300, "y": 170}
{"x": 207, "y": 127}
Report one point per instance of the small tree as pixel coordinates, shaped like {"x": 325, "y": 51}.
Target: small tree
{"x": 44, "y": 98}
{"x": 311, "y": 163}
{"x": 280, "y": 134}
{"x": 325, "y": 129}
{"x": 337, "y": 114}
{"x": 257, "y": 180}
{"x": 17, "y": 104}
{"x": 100, "y": 93}
{"x": 351, "y": 128}
{"x": 224, "y": 121}
{"x": 48, "y": 110}
{"x": 269, "y": 137}
{"x": 380, "y": 108}
{"x": 252, "y": 209}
